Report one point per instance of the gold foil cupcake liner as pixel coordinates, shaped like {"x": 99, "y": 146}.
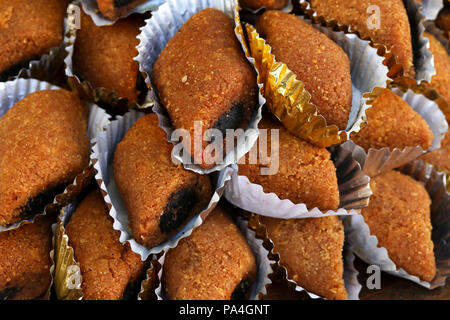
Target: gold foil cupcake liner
{"x": 263, "y": 261}
{"x": 423, "y": 59}
{"x": 288, "y": 99}
{"x": 365, "y": 245}
{"x": 84, "y": 88}
{"x": 13, "y": 91}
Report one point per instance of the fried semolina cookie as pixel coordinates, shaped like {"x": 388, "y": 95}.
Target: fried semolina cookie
{"x": 394, "y": 31}
{"x": 202, "y": 75}
{"x": 214, "y": 263}
{"x": 441, "y": 80}
{"x": 43, "y": 146}
{"x": 110, "y": 270}
{"x": 305, "y": 172}
{"x": 392, "y": 123}
{"x": 28, "y": 29}
{"x": 440, "y": 157}
{"x": 269, "y": 4}
{"x": 443, "y": 20}
{"x": 114, "y": 9}
{"x": 159, "y": 195}
{"x": 311, "y": 251}
{"x": 104, "y": 55}
{"x": 316, "y": 60}
{"x": 399, "y": 215}
{"x": 25, "y": 260}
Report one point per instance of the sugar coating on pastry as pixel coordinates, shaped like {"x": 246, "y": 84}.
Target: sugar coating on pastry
{"x": 43, "y": 146}
{"x": 114, "y": 9}
{"x": 104, "y": 55}
{"x": 305, "y": 173}
{"x": 268, "y": 4}
{"x": 311, "y": 251}
{"x": 159, "y": 195}
{"x": 440, "y": 157}
{"x": 315, "y": 59}
{"x": 213, "y": 263}
{"x": 399, "y": 215}
{"x": 203, "y": 75}
{"x": 25, "y": 260}
{"x": 394, "y": 31}
{"x": 28, "y": 29}
{"x": 441, "y": 80}
{"x": 392, "y": 123}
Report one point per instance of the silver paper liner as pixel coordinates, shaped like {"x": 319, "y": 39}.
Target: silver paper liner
{"x": 431, "y": 8}
{"x": 90, "y": 7}
{"x": 262, "y": 261}
{"x": 365, "y": 245}
{"x": 431, "y": 28}
{"x": 13, "y": 91}
{"x": 102, "y": 156}
{"x": 354, "y": 192}
{"x": 383, "y": 160}
{"x": 159, "y": 29}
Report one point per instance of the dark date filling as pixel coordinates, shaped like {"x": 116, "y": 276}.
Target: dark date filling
{"x": 131, "y": 291}
{"x": 120, "y": 3}
{"x": 37, "y": 203}
{"x": 230, "y": 120}
{"x": 242, "y": 290}
{"x": 177, "y": 210}
{"x": 9, "y": 293}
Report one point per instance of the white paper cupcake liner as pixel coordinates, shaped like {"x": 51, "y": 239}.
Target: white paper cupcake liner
{"x": 431, "y": 8}
{"x": 353, "y": 184}
{"x": 159, "y": 29}
{"x": 365, "y": 245}
{"x": 262, "y": 261}
{"x": 103, "y": 149}
{"x": 14, "y": 91}
{"x": 90, "y": 7}
{"x": 382, "y": 160}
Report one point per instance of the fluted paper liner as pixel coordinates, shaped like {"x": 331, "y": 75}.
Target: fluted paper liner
{"x": 353, "y": 184}
{"x": 90, "y": 7}
{"x": 288, "y": 99}
{"x": 84, "y": 88}
{"x": 159, "y": 29}
{"x": 382, "y": 160}
{"x": 431, "y": 8}
{"x": 432, "y": 28}
{"x": 103, "y": 149}
{"x": 423, "y": 59}
{"x": 13, "y": 91}
{"x": 365, "y": 245}
{"x": 263, "y": 263}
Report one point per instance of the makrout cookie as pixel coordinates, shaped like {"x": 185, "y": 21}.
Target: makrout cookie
{"x": 114, "y": 9}
{"x": 202, "y": 75}
{"x": 441, "y": 80}
{"x": 104, "y": 55}
{"x": 311, "y": 251}
{"x": 43, "y": 146}
{"x": 109, "y": 269}
{"x": 305, "y": 172}
{"x": 315, "y": 59}
{"x": 440, "y": 157}
{"x": 159, "y": 195}
{"x": 392, "y": 123}
{"x": 213, "y": 263}
{"x": 268, "y": 4}
{"x": 393, "y": 31}
{"x": 399, "y": 216}
{"x": 25, "y": 260}
{"x": 29, "y": 29}
{"x": 443, "y": 20}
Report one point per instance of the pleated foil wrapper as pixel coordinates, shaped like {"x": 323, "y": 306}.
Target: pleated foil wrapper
{"x": 431, "y": 8}
{"x": 353, "y": 184}
{"x": 102, "y": 155}
{"x": 160, "y": 28}
{"x": 14, "y": 91}
{"x": 365, "y": 245}
{"x": 422, "y": 57}
{"x": 84, "y": 88}
{"x": 288, "y": 99}
{"x": 382, "y": 160}
{"x": 90, "y": 7}
{"x": 263, "y": 262}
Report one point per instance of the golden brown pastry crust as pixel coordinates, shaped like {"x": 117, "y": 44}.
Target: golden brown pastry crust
{"x": 108, "y": 268}
{"x": 392, "y": 123}
{"x": 269, "y": 4}
{"x": 114, "y": 9}
{"x": 399, "y": 215}
{"x": 43, "y": 146}
{"x": 210, "y": 263}
{"x": 311, "y": 252}
{"x": 316, "y": 60}
{"x": 440, "y": 157}
{"x": 441, "y": 80}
